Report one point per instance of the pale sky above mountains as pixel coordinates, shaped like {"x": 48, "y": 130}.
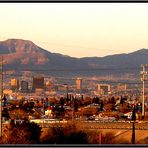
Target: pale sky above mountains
{"x": 78, "y": 29}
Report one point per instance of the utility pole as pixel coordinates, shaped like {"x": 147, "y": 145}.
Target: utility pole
{"x": 133, "y": 126}
{"x": 1, "y": 94}
{"x": 143, "y": 79}
{"x": 133, "y": 133}
{"x": 72, "y": 108}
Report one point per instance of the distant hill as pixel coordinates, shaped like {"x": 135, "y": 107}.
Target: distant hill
{"x": 24, "y": 54}
{"x": 131, "y": 60}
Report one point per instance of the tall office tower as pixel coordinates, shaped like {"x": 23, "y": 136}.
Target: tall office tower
{"x": 14, "y": 84}
{"x": 24, "y": 86}
{"x": 38, "y": 83}
{"x": 79, "y": 84}
{"x": 103, "y": 89}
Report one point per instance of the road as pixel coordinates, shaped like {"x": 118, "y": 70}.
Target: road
{"x": 100, "y": 125}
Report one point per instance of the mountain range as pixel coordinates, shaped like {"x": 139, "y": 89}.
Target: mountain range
{"x": 23, "y": 54}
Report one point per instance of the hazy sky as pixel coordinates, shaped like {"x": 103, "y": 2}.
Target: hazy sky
{"x": 78, "y": 29}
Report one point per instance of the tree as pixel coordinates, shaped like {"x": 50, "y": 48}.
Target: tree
{"x": 15, "y": 135}
{"x": 134, "y": 114}
{"x": 65, "y": 135}
{"x": 28, "y": 106}
{"x": 123, "y": 108}
{"x": 113, "y": 101}
{"x": 96, "y": 100}
{"x": 109, "y": 107}
{"x": 15, "y": 103}
{"x": 5, "y": 113}
{"x": 101, "y": 105}
{"x": 89, "y": 111}
{"x": 82, "y": 98}
{"x": 24, "y": 133}
{"x": 75, "y": 103}
{"x": 58, "y": 111}
{"x": 35, "y": 130}
{"x": 4, "y": 100}
{"x": 62, "y": 101}
{"x": 18, "y": 114}
{"x": 87, "y": 101}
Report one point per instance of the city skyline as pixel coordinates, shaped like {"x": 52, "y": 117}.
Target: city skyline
{"x": 77, "y": 29}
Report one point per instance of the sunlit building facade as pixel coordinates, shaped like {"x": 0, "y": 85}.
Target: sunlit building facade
{"x": 103, "y": 89}
{"x": 14, "y": 84}
{"x": 79, "y": 84}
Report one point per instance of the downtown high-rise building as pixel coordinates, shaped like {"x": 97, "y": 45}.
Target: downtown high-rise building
{"x": 14, "y": 84}
{"x": 103, "y": 89}
{"x": 38, "y": 83}
{"x": 79, "y": 84}
{"x": 24, "y": 86}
